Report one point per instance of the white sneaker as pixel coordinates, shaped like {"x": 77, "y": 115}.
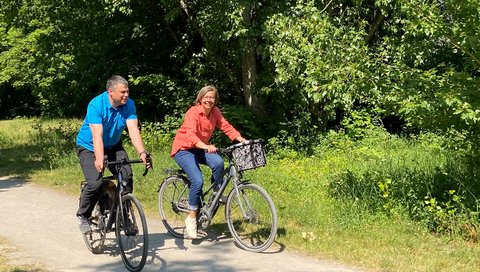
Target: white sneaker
{"x": 191, "y": 227}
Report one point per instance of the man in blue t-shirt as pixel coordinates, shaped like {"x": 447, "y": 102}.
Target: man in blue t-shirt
{"x": 100, "y": 135}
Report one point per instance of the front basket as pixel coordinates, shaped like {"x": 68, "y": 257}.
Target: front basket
{"x": 249, "y": 154}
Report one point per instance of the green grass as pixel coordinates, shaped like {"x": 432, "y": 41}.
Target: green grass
{"x": 329, "y": 205}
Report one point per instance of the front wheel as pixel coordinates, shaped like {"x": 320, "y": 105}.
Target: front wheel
{"x": 251, "y": 217}
{"x": 173, "y": 205}
{"x": 132, "y": 234}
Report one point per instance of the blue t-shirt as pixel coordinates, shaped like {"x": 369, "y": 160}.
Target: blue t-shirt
{"x": 100, "y": 111}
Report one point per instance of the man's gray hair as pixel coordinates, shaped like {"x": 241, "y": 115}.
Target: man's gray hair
{"x": 114, "y": 80}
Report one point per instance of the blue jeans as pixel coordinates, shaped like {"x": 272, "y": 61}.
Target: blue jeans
{"x": 189, "y": 161}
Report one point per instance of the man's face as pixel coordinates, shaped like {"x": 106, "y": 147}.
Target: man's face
{"x": 119, "y": 94}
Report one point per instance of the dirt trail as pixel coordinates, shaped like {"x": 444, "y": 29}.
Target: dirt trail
{"x": 40, "y": 222}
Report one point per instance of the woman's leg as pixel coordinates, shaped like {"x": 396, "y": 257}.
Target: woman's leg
{"x": 188, "y": 161}
{"x": 215, "y": 162}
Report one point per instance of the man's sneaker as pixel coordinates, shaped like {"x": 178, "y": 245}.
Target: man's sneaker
{"x": 191, "y": 227}
{"x": 83, "y": 224}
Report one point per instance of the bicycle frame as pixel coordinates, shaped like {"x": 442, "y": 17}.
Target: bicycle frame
{"x": 120, "y": 187}
{"x": 116, "y": 203}
{"x": 230, "y": 172}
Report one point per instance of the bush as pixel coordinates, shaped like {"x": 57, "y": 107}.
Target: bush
{"x": 432, "y": 183}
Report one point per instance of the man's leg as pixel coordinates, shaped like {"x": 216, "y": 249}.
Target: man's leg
{"x": 118, "y": 153}
{"x": 89, "y": 194}
{"x": 93, "y": 178}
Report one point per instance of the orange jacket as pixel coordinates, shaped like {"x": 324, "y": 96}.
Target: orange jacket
{"x": 198, "y": 127}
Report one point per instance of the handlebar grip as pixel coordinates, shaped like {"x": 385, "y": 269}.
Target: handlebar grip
{"x": 105, "y": 163}
{"x": 149, "y": 160}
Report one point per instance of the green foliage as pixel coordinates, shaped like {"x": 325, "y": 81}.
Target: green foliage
{"x": 450, "y": 216}
{"x": 430, "y": 81}
{"x": 359, "y": 123}
{"x": 316, "y": 65}
{"x": 298, "y": 135}
{"x": 433, "y": 184}
{"x": 319, "y": 66}
{"x": 244, "y": 120}
{"x": 159, "y": 135}
{"x": 157, "y": 96}
{"x": 57, "y": 141}
{"x": 64, "y": 52}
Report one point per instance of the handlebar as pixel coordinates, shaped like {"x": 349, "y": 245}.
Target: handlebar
{"x": 124, "y": 161}
{"x": 223, "y": 150}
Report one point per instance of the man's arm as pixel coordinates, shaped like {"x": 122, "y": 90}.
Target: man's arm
{"x": 136, "y": 138}
{"x": 97, "y": 134}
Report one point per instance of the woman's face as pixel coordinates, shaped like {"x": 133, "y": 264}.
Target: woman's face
{"x": 208, "y": 100}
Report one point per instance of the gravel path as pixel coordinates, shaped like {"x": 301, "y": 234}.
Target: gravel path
{"x": 40, "y": 222}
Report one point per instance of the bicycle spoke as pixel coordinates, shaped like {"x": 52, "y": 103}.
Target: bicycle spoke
{"x": 173, "y": 205}
{"x": 95, "y": 238}
{"x": 132, "y": 234}
{"x": 252, "y": 218}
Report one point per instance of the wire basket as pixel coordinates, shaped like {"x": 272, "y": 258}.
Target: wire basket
{"x": 249, "y": 154}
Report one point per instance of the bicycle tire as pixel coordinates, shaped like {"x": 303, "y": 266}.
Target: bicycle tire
{"x": 95, "y": 239}
{"x": 173, "y": 205}
{"x": 132, "y": 237}
{"x": 256, "y": 233}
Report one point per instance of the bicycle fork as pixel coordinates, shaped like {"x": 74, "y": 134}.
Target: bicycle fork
{"x": 242, "y": 199}
{"x": 127, "y": 225}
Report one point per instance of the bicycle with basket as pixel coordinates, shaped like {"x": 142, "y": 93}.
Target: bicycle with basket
{"x": 120, "y": 212}
{"x": 249, "y": 211}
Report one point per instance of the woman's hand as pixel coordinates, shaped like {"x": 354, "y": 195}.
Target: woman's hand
{"x": 211, "y": 149}
{"x": 240, "y": 139}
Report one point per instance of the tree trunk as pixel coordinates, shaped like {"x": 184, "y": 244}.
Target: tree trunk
{"x": 377, "y": 21}
{"x": 249, "y": 69}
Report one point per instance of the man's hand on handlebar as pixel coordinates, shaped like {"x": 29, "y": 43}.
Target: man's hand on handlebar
{"x": 147, "y": 159}
{"x": 99, "y": 165}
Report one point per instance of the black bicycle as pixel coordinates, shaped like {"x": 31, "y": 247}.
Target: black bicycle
{"x": 249, "y": 211}
{"x": 120, "y": 212}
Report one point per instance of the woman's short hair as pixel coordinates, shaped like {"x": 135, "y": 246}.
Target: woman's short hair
{"x": 203, "y": 91}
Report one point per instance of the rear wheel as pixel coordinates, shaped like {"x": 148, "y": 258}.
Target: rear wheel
{"x": 251, "y": 217}
{"x": 95, "y": 238}
{"x": 173, "y": 205}
{"x": 132, "y": 234}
